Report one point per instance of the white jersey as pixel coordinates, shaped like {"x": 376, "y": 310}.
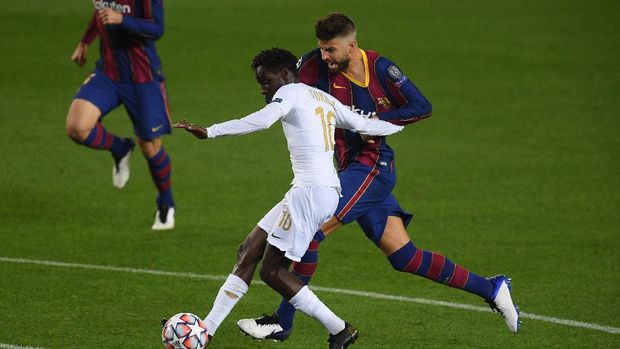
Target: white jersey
{"x": 309, "y": 117}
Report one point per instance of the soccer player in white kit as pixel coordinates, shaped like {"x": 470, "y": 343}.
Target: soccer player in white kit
{"x": 309, "y": 117}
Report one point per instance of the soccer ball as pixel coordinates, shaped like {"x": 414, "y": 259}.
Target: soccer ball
{"x": 184, "y": 331}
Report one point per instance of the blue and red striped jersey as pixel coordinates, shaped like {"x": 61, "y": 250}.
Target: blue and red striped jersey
{"x": 385, "y": 91}
{"x": 128, "y": 50}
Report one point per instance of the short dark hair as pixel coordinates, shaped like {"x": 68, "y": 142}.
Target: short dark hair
{"x": 274, "y": 59}
{"x": 333, "y": 25}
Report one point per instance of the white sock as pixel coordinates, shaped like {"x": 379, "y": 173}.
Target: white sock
{"x": 306, "y": 301}
{"x": 230, "y": 293}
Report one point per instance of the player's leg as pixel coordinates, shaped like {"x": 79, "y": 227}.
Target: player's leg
{"x": 404, "y": 256}
{"x": 147, "y": 107}
{"x": 95, "y": 98}
{"x": 362, "y": 188}
{"x": 275, "y": 273}
{"x": 160, "y": 168}
{"x": 237, "y": 284}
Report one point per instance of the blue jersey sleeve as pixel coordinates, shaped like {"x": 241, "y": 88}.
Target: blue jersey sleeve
{"x": 152, "y": 25}
{"x": 412, "y": 106}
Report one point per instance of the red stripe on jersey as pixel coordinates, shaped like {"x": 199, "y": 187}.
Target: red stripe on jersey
{"x": 437, "y": 263}
{"x": 459, "y": 277}
{"x": 308, "y": 72}
{"x": 369, "y": 155}
{"x": 140, "y": 65}
{"x": 304, "y": 269}
{"x": 358, "y": 194}
{"x": 146, "y": 7}
{"x": 110, "y": 67}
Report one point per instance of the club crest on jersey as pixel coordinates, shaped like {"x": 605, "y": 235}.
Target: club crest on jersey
{"x": 383, "y": 102}
{"x": 122, "y": 8}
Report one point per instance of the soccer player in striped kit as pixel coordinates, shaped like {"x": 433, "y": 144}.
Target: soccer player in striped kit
{"x": 309, "y": 117}
{"x": 374, "y": 87}
{"x": 128, "y": 72}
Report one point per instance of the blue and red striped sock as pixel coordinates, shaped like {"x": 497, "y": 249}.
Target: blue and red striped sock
{"x": 161, "y": 169}
{"x": 304, "y": 270}
{"x": 100, "y": 138}
{"x": 438, "y": 268}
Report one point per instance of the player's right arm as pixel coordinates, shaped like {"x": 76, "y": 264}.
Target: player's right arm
{"x": 281, "y": 104}
{"x": 257, "y": 121}
{"x": 81, "y": 51}
{"x": 345, "y": 118}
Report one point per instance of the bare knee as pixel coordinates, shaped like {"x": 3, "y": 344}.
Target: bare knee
{"x": 150, "y": 148}
{"x": 81, "y": 119}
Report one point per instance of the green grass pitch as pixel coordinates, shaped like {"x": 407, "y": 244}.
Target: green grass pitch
{"x": 514, "y": 174}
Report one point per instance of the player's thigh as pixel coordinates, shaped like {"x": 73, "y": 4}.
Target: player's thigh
{"x": 385, "y": 225}
{"x": 394, "y": 236}
{"x": 94, "y": 99}
{"x": 81, "y": 118}
{"x": 363, "y": 188}
{"x": 294, "y": 221}
{"x": 147, "y": 106}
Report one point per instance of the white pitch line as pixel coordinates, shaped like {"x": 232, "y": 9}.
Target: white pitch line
{"x": 375, "y": 295}
{"x": 9, "y": 346}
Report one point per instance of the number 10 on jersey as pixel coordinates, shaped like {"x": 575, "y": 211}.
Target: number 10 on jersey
{"x": 328, "y": 127}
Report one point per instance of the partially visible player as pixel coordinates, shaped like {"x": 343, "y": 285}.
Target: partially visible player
{"x": 309, "y": 117}
{"x": 128, "y": 73}
{"x": 375, "y": 87}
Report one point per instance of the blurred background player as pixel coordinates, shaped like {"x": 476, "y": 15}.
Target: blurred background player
{"x": 128, "y": 72}
{"x": 374, "y": 87}
{"x": 309, "y": 118}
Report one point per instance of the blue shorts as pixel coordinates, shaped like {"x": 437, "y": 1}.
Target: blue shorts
{"x": 146, "y": 103}
{"x": 367, "y": 197}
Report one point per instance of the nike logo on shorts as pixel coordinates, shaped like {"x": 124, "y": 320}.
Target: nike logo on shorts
{"x": 156, "y": 128}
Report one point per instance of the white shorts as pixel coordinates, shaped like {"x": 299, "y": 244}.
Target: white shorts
{"x": 292, "y": 223}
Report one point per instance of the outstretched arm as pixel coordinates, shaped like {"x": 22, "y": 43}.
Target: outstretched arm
{"x": 195, "y": 129}
{"x": 257, "y": 121}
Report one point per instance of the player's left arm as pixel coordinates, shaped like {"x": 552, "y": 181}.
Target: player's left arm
{"x": 151, "y": 26}
{"x": 411, "y": 105}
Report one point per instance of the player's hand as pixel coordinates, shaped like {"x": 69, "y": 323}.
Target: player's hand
{"x": 110, "y": 17}
{"x": 196, "y": 130}
{"x": 80, "y": 53}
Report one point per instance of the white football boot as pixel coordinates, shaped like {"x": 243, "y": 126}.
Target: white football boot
{"x": 164, "y": 218}
{"x": 501, "y": 301}
{"x": 264, "y": 327}
{"x": 120, "y": 171}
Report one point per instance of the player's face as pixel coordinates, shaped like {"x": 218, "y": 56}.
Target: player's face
{"x": 269, "y": 82}
{"x": 336, "y": 53}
